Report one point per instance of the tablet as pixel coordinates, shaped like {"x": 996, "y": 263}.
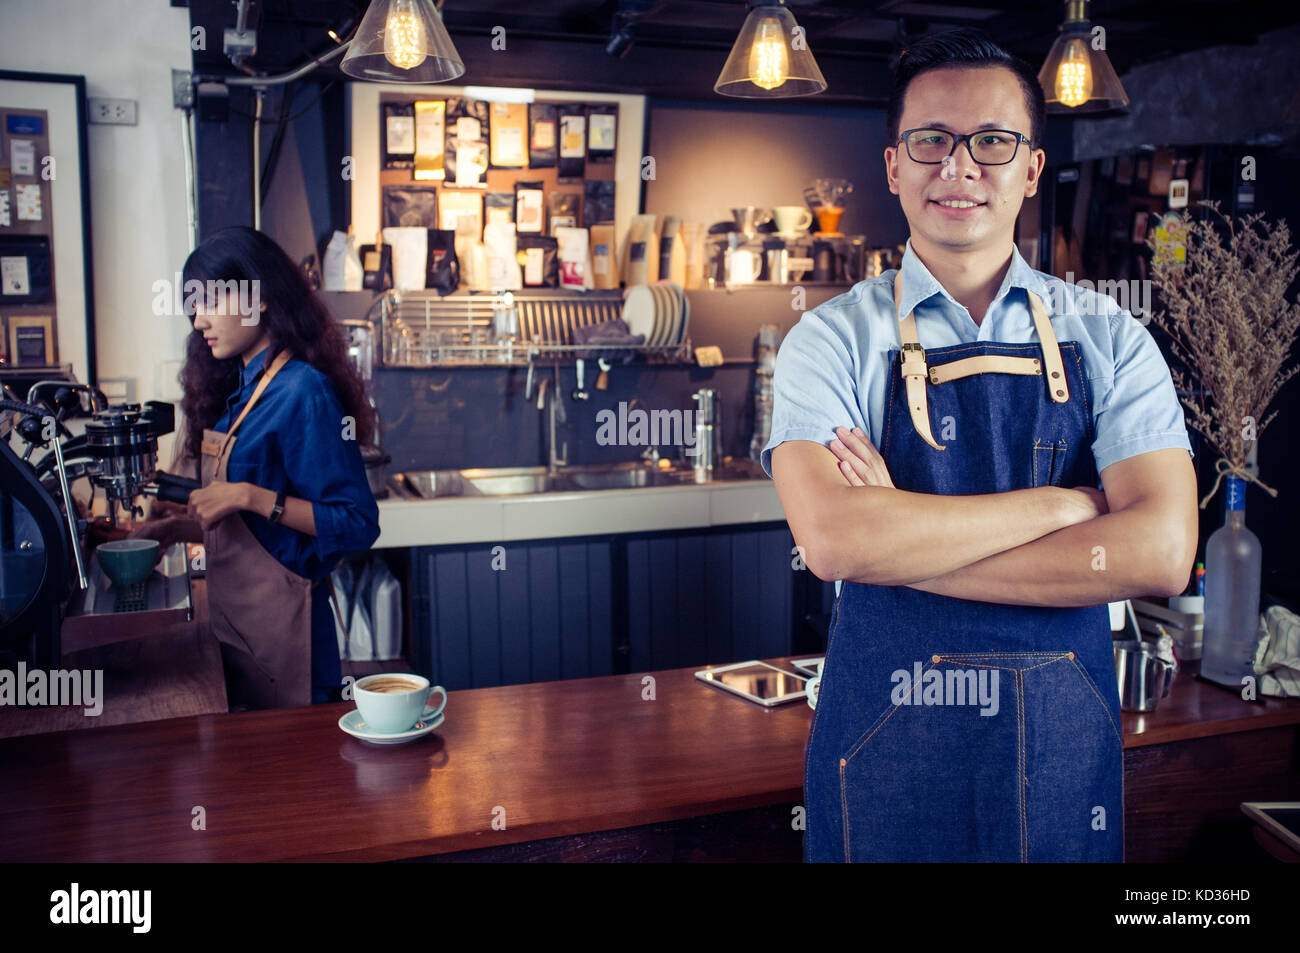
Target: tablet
{"x": 757, "y": 681}
{"x": 1282, "y": 820}
{"x": 808, "y": 666}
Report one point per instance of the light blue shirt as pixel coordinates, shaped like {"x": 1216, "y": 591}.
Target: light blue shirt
{"x": 833, "y": 368}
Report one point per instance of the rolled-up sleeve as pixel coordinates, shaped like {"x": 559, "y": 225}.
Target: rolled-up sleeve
{"x": 814, "y": 389}
{"x": 323, "y": 462}
{"x": 1140, "y": 412}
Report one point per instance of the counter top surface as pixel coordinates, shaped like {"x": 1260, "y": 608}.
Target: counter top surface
{"x": 543, "y": 760}
{"x": 494, "y": 519}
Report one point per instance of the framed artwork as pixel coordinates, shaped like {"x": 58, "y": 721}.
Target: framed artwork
{"x": 46, "y": 276}
{"x": 31, "y": 340}
{"x": 1178, "y": 193}
{"x": 1140, "y": 226}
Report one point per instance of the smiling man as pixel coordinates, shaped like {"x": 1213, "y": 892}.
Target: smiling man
{"x": 939, "y": 436}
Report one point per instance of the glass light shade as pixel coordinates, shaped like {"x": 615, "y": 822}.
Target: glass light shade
{"x": 402, "y": 41}
{"x": 1078, "y": 79}
{"x": 765, "y": 62}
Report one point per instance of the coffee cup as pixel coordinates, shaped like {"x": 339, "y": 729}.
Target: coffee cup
{"x": 791, "y": 219}
{"x": 392, "y": 703}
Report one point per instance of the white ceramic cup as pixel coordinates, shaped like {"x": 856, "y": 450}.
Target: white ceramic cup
{"x": 394, "y": 712}
{"x": 791, "y": 218}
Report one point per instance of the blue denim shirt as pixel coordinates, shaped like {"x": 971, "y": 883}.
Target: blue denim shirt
{"x": 295, "y": 440}
{"x": 833, "y": 367}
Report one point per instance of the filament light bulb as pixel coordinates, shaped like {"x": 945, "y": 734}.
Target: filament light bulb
{"x": 769, "y": 61}
{"x": 404, "y": 36}
{"x": 1074, "y": 75}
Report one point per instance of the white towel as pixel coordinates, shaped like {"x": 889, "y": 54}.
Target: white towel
{"x": 1277, "y": 660}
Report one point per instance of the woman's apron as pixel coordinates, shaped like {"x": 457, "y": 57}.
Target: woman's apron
{"x": 260, "y": 611}
{"x": 907, "y": 759}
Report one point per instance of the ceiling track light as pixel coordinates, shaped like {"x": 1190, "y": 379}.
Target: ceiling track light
{"x": 621, "y": 39}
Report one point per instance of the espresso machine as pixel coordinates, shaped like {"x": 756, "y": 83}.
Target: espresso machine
{"x": 46, "y": 580}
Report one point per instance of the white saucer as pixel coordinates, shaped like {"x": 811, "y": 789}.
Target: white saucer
{"x": 353, "y": 724}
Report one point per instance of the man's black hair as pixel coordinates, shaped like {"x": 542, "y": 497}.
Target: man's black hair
{"x": 963, "y": 49}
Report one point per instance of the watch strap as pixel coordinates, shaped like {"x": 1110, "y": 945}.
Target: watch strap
{"x": 278, "y": 510}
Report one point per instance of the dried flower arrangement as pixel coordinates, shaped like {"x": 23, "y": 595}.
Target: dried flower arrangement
{"x": 1230, "y": 323}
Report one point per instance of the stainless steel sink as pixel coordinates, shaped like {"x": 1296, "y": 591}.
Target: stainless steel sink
{"x": 625, "y": 477}
{"x": 520, "y": 481}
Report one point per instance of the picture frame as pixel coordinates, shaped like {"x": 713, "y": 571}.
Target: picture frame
{"x": 71, "y": 313}
{"x": 1178, "y": 190}
{"x": 1140, "y": 226}
{"x": 31, "y": 339}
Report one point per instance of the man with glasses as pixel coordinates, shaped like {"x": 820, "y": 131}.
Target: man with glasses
{"x": 986, "y": 457}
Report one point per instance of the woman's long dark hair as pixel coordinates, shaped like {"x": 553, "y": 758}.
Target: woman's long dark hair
{"x": 296, "y": 318}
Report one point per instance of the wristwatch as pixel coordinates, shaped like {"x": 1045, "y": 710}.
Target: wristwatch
{"x": 278, "y": 510}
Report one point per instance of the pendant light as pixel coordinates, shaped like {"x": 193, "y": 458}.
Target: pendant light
{"x": 402, "y": 41}
{"x": 769, "y": 60}
{"x": 1077, "y": 78}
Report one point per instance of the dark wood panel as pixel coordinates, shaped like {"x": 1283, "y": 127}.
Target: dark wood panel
{"x": 600, "y": 606}
{"x": 717, "y": 607}
{"x": 764, "y": 835}
{"x": 638, "y": 605}
{"x": 484, "y": 616}
{"x": 516, "y": 630}
{"x": 544, "y": 612}
{"x": 693, "y": 578}
{"x": 1182, "y": 800}
{"x": 575, "y": 631}
{"x": 451, "y": 659}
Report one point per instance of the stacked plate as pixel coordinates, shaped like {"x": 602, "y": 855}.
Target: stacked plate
{"x": 660, "y": 312}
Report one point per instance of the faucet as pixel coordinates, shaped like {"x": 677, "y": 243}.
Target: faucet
{"x": 557, "y": 414}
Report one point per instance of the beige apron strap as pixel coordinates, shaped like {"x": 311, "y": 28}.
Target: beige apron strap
{"x": 984, "y": 364}
{"x": 1057, "y": 388}
{"x": 273, "y": 368}
{"x": 913, "y": 369}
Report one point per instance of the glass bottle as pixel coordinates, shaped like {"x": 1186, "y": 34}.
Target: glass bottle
{"x": 1232, "y": 579}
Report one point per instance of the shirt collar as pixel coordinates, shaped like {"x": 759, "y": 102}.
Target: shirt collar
{"x": 919, "y": 285}
{"x": 250, "y": 373}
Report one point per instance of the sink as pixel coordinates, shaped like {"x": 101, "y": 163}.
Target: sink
{"x": 519, "y": 481}
{"x": 510, "y": 485}
{"x": 626, "y": 477}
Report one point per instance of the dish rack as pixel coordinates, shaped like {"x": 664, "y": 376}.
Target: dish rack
{"x": 422, "y": 329}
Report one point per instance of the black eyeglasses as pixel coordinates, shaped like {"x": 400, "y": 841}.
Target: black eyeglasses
{"x": 987, "y": 147}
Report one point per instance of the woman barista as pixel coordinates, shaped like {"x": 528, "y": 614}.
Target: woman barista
{"x": 274, "y": 416}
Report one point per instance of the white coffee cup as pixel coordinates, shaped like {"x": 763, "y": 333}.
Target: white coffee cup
{"x": 791, "y": 219}
{"x": 389, "y": 707}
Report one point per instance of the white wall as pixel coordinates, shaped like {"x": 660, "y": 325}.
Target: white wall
{"x": 126, "y": 49}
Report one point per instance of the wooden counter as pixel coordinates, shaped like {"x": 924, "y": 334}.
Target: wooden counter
{"x": 550, "y": 760}
{"x": 173, "y": 671}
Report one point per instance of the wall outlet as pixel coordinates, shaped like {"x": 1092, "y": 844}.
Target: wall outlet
{"x": 118, "y": 112}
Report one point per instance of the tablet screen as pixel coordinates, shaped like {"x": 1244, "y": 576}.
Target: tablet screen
{"x": 760, "y": 681}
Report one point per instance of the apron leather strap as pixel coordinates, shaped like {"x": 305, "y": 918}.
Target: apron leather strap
{"x": 915, "y": 373}
{"x": 913, "y": 368}
{"x": 985, "y": 364}
{"x": 272, "y": 369}
{"x": 1057, "y": 389}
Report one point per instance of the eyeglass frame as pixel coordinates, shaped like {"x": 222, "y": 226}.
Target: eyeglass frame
{"x": 958, "y": 140}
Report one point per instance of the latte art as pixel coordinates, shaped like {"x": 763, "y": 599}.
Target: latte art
{"x": 390, "y": 685}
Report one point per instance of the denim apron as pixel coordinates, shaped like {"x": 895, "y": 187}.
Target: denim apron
{"x": 260, "y": 611}
{"x": 952, "y": 730}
